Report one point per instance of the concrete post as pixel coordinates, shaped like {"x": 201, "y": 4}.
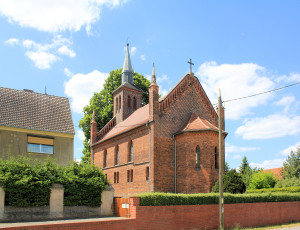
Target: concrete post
{"x": 57, "y": 200}
{"x": 107, "y": 198}
{"x": 2, "y": 202}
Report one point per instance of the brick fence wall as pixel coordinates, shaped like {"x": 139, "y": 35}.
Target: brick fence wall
{"x": 190, "y": 216}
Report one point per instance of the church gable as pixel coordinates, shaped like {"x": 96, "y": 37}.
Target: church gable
{"x": 186, "y": 82}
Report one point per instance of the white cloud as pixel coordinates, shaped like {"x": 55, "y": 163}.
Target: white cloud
{"x": 66, "y": 51}
{"x": 77, "y": 160}
{"x": 293, "y": 77}
{"x": 237, "y": 156}
{"x": 236, "y": 149}
{"x": 80, "y": 135}
{"x": 163, "y": 92}
{"x": 132, "y": 50}
{"x": 272, "y": 126}
{"x": 268, "y": 164}
{"x": 162, "y": 78}
{"x": 68, "y": 72}
{"x": 42, "y": 60}
{"x": 235, "y": 80}
{"x": 55, "y": 15}
{"x": 288, "y": 150}
{"x": 143, "y": 57}
{"x": 81, "y": 87}
{"x": 12, "y": 41}
{"x": 286, "y": 102}
{"x": 44, "y": 55}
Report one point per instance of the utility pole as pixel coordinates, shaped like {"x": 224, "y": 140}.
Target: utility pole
{"x": 221, "y": 200}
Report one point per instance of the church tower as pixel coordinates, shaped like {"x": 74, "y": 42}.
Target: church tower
{"x": 127, "y": 97}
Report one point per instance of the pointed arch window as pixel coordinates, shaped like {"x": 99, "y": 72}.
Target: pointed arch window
{"x": 216, "y": 158}
{"x": 197, "y": 156}
{"x": 134, "y": 103}
{"x": 130, "y": 152}
{"x": 120, "y": 102}
{"x": 129, "y": 102}
{"x": 105, "y": 158}
{"x": 117, "y": 106}
{"x": 117, "y": 155}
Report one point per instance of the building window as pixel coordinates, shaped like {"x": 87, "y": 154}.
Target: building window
{"x": 129, "y": 101}
{"x": 147, "y": 173}
{"x": 116, "y": 177}
{"x": 130, "y": 152}
{"x": 130, "y": 175}
{"x": 134, "y": 103}
{"x": 197, "y": 156}
{"x": 40, "y": 145}
{"x": 117, "y": 155}
{"x": 105, "y": 158}
{"x": 117, "y": 105}
{"x": 120, "y": 102}
{"x": 216, "y": 159}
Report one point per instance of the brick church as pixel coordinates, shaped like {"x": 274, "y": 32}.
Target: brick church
{"x": 168, "y": 145}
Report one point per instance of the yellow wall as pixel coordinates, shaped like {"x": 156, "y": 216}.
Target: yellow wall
{"x": 13, "y": 141}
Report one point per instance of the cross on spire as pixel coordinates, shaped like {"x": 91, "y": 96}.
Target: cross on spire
{"x": 190, "y": 62}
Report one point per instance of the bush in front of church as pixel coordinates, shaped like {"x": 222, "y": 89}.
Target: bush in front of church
{"x": 232, "y": 183}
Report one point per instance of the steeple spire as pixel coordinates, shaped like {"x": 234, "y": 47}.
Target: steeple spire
{"x": 127, "y": 74}
{"x": 153, "y": 75}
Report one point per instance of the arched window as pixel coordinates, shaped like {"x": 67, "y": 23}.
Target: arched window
{"x": 216, "y": 159}
{"x": 129, "y": 102}
{"x": 117, "y": 106}
{"x": 117, "y": 155}
{"x": 120, "y": 102}
{"x": 105, "y": 158}
{"x": 197, "y": 156}
{"x": 134, "y": 103}
{"x": 130, "y": 152}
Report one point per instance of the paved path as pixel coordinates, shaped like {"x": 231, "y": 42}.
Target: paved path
{"x": 2, "y": 225}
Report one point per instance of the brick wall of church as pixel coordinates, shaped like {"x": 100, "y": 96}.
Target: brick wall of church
{"x": 165, "y": 126}
{"x": 190, "y": 178}
{"x": 140, "y": 140}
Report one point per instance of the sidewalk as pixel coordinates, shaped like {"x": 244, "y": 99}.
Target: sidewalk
{"x": 49, "y": 222}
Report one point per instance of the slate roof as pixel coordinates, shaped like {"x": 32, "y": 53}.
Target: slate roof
{"x": 35, "y": 111}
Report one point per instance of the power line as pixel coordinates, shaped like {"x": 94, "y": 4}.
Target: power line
{"x": 257, "y": 94}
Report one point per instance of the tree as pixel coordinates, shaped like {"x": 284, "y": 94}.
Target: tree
{"x": 102, "y": 102}
{"x": 232, "y": 183}
{"x": 244, "y": 166}
{"x": 227, "y": 168}
{"x": 291, "y": 167}
{"x": 262, "y": 179}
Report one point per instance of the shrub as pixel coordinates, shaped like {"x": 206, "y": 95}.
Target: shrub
{"x": 28, "y": 182}
{"x": 166, "y": 199}
{"x": 272, "y": 190}
{"x": 232, "y": 183}
{"x": 288, "y": 182}
{"x": 263, "y": 180}
{"x": 83, "y": 185}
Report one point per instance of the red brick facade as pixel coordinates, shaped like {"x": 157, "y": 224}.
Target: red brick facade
{"x": 181, "y": 121}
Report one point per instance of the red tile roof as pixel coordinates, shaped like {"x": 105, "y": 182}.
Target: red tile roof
{"x": 137, "y": 118}
{"x": 275, "y": 171}
{"x": 196, "y": 123}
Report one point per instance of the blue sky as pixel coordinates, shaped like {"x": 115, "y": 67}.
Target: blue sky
{"x": 241, "y": 47}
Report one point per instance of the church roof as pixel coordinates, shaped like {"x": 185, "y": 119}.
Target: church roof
{"x": 128, "y": 85}
{"x": 35, "y": 111}
{"x": 136, "y": 119}
{"x": 196, "y": 123}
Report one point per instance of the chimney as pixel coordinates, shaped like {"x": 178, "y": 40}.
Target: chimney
{"x": 93, "y": 129}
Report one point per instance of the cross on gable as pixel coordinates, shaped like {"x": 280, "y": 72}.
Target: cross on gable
{"x": 190, "y": 62}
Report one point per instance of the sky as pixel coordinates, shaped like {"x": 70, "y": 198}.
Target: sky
{"x": 241, "y": 47}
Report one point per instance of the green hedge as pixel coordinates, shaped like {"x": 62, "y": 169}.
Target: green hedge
{"x": 28, "y": 182}
{"x": 166, "y": 199}
{"x": 272, "y": 190}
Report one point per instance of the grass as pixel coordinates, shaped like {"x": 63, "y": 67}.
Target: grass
{"x": 272, "y": 226}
